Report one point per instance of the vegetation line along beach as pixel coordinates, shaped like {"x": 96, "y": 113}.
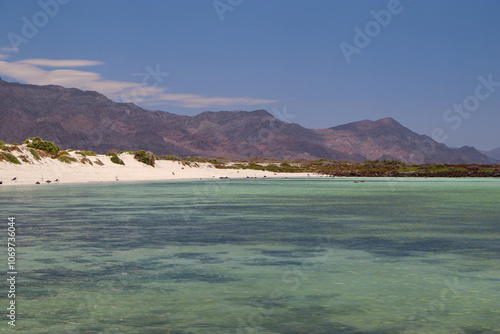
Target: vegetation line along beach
{"x": 38, "y": 161}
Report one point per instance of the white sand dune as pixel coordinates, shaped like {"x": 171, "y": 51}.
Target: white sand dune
{"x": 48, "y": 169}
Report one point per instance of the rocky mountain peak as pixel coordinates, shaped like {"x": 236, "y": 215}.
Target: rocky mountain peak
{"x": 88, "y": 120}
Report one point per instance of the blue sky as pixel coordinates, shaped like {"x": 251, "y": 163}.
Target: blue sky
{"x": 434, "y": 66}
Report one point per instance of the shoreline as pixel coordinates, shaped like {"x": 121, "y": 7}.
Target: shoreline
{"x": 77, "y": 167}
{"x": 99, "y": 168}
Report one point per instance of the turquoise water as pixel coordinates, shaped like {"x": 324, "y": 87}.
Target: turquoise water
{"x": 257, "y": 256}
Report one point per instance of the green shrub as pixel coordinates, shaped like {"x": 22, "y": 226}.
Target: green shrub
{"x": 145, "y": 157}
{"x": 486, "y": 170}
{"x": 86, "y": 153}
{"x": 172, "y": 157}
{"x": 35, "y": 154}
{"x": 42, "y": 145}
{"x": 114, "y": 158}
{"x": 66, "y": 159}
{"x": 10, "y": 148}
{"x": 458, "y": 169}
{"x": 273, "y": 168}
{"x": 99, "y": 162}
{"x": 62, "y": 153}
{"x": 254, "y": 166}
{"x": 24, "y": 158}
{"x": 86, "y": 160}
{"x": 9, "y": 157}
{"x": 125, "y": 151}
{"x": 168, "y": 157}
{"x": 196, "y": 159}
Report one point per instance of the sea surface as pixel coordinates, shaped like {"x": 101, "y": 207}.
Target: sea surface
{"x": 290, "y": 256}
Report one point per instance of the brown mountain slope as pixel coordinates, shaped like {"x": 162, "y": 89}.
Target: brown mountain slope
{"x": 88, "y": 120}
{"x": 387, "y": 139}
{"x": 495, "y": 153}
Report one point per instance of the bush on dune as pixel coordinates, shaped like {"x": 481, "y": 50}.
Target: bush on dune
{"x": 87, "y": 153}
{"x": 24, "y": 158}
{"x": 4, "y": 156}
{"x": 43, "y": 145}
{"x": 9, "y": 148}
{"x": 114, "y": 158}
{"x": 35, "y": 154}
{"x": 145, "y": 157}
{"x": 85, "y": 161}
{"x": 66, "y": 159}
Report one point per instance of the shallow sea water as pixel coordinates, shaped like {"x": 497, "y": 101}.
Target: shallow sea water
{"x": 291, "y": 256}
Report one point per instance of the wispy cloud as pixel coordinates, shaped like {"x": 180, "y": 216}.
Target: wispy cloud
{"x": 30, "y": 71}
{"x": 198, "y": 101}
{"x": 61, "y": 63}
{"x": 7, "y": 49}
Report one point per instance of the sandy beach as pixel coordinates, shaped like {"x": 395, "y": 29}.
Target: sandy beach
{"x": 103, "y": 170}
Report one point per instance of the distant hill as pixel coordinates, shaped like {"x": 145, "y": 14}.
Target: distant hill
{"x": 495, "y": 153}
{"x": 387, "y": 139}
{"x": 88, "y": 120}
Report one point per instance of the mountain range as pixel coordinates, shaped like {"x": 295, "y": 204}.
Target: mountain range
{"x": 87, "y": 120}
{"x": 495, "y": 153}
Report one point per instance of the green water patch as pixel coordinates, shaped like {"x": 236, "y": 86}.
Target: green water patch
{"x": 259, "y": 256}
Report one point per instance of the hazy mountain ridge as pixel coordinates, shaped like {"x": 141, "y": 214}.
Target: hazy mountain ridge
{"x": 88, "y": 120}
{"x": 494, "y": 153}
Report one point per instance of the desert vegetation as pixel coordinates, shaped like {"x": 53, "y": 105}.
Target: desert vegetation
{"x": 66, "y": 159}
{"x": 114, "y": 158}
{"x": 34, "y": 153}
{"x": 145, "y": 157}
{"x": 86, "y": 153}
{"x": 40, "y": 148}
{"x": 42, "y": 145}
{"x": 5, "y": 156}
